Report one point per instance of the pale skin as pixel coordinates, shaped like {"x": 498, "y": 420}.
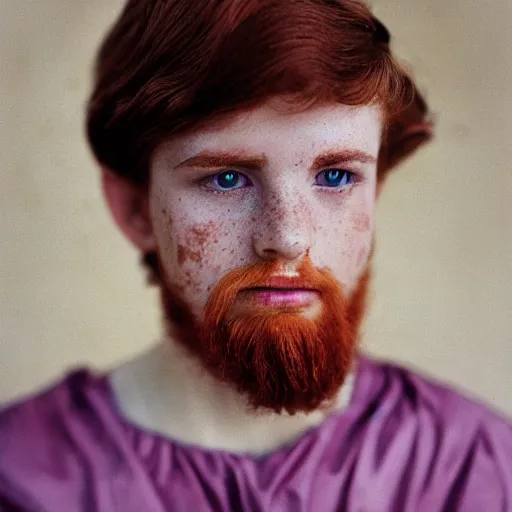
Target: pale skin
{"x": 266, "y": 185}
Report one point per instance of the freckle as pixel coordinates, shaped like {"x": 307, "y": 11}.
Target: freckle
{"x": 189, "y": 278}
{"x": 361, "y": 222}
{"x": 182, "y": 251}
{"x": 232, "y": 251}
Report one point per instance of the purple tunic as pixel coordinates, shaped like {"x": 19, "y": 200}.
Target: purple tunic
{"x": 403, "y": 444}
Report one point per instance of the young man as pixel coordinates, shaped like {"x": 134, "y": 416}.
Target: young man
{"x": 243, "y": 145}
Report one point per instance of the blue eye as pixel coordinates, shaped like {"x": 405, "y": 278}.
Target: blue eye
{"x": 227, "y": 180}
{"x": 335, "y": 178}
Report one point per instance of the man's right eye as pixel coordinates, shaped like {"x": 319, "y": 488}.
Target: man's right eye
{"x": 225, "y": 180}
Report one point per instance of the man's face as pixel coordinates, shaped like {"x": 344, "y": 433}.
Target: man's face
{"x": 286, "y": 194}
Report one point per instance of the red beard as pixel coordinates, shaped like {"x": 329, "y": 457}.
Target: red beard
{"x": 279, "y": 358}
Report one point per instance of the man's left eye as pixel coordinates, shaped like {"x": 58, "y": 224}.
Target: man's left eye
{"x": 334, "y": 178}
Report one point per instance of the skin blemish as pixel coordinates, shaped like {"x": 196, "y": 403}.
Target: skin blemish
{"x": 361, "y": 222}
{"x": 201, "y": 232}
{"x": 185, "y": 253}
{"x": 198, "y": 239}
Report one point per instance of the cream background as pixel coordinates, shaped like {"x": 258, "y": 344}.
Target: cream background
{"x": 72, "y": 291}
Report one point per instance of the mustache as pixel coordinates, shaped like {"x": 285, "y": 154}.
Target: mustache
{"x": 273, "y": 275}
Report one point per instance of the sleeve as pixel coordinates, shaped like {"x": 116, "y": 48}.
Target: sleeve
{"x": 470, "y": 467}
{"x": 473, "y": 470}
{"x": 485, "y": 480}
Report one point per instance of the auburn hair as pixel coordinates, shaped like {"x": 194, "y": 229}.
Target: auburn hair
{"x": 169, "y": 66}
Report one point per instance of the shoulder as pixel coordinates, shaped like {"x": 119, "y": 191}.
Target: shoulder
{"x": 44, "y": 413}
{"x": 38, "y": 441}
{"x": 461, "y": 447}
{"x": 412, "y": 390}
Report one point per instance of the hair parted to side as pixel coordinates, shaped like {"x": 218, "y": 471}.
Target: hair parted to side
{"x": 169, "y": 66}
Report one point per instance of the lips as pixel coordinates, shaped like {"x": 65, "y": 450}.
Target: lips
{"x": 281, "y": 297}
{"x": 283, "y": 291}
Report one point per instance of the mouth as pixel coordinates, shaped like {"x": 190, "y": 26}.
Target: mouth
{"x": 283, "y": 297}
{"x": 281, "y": 292}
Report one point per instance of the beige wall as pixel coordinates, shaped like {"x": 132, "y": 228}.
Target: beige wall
{"x": 72, "y": 292}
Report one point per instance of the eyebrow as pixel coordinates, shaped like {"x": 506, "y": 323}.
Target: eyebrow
{"x": 207, "y": 159}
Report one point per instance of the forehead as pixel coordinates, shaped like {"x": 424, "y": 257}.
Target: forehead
{"x": 270, "y": 130}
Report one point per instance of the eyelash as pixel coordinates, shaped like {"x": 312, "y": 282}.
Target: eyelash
{"x": 207, "y": 180}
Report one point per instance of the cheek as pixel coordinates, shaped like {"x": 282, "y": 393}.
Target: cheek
{"x": 361, "y": 232}
{"x": 196, "y": 243}
{"x": 194, "y": 247}
{"x": 346, "y": 245}
{"x": 199, "y": 244}
{"x": 361, "y": 222}
{"x": 200, "y": 253}
{"x": 362, "y": 256}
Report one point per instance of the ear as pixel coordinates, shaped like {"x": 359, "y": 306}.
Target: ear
{"x": 129, "y": 205}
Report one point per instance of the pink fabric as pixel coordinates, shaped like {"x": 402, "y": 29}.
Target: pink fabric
{"x": 403, "y": 444}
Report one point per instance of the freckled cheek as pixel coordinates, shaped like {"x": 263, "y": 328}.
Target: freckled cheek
{"x": 342, "y": 248}
{"x": 203, "y": 252}
{"x": 330, "y": 240}
{"x": 363, "y": 228}
{"x": 361, "y": 222}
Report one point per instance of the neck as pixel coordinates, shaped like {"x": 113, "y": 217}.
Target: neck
{"x": 168, "y": 392}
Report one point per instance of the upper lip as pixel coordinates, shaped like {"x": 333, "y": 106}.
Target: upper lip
{"x": 284, "y": 283}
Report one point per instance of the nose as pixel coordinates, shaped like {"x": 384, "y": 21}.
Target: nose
{"x": 284, "y": 229}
